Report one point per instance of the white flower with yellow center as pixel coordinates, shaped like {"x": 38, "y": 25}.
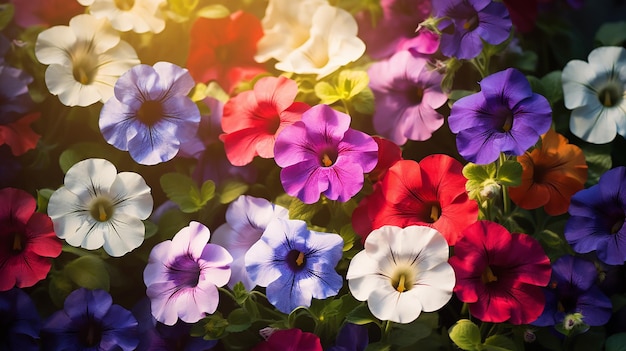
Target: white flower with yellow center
{"x": 97, "y": 207}
{"x": 139, "y": 16}
{"x": 402, "y": 272}
{"x": 85, "y": 60}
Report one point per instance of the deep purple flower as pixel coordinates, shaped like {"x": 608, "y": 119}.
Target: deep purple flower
{"x": 295, "y": 264}
{"x": 406, "y": 95}
{"x": 182, "y": 275}
{"x": 90, "y": 321}
{"x": 321, "y": 154}
{"x": 19, "y": 321}
{"x": 505, "y": 116}
{"x": 573, "y": 289}
{"x": 15, "y": 101}
{"x": 596, "y": 221}
{"x": 151, "y": 115}
{"x": 471, "y": 23}
{"x": 351, "y": 337}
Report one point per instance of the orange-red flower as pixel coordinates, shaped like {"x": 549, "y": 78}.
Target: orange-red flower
{"x": 551, "y": 174}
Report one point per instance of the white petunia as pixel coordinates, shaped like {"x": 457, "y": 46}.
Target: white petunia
{"x": 402, "y": 272}
{"x": 139, "y": 16}
{"x": 97, "y": 207}
{"x": 596, "y": 92}
{"x": 319, "y": 45}
{"x": 85, "y": 60}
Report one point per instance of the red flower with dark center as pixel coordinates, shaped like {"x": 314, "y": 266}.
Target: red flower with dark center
{"x": 27, "y": 241}
{"x": 252, "y": 120}
{"x": 222, "y": 49}
{"x": 431, "y": 193}
{"x": 499, "y": 274}
{"x": 290, "y": 340}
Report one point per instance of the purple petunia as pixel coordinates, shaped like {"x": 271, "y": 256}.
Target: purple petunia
{"x": 321, "y": 154}
{"x": 406, "y": 95}
{"x": 505, "y": 116}
{"x": 573, "y": 289}
{"x": 182, "y": 275}
{"x": 19, "y": 321}
{"x": 295, "y": 264}
{"x": 90, "y": 321}
{"x": 597, "y": 215}
{"x": 15, "y": 101}
{"x": 471, "y": 23}
{"x": 151, "y": 115}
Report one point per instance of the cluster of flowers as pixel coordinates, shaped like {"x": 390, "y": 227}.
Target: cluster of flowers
{"x": 308, "y": 175}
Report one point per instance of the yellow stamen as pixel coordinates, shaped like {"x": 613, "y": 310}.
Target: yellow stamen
{"x": 401, "y": 283}
{"x": 300, "y": 259}
{"x": 471, "y": 23}
{"x": 607, "y": 99}
{"x": 17, "y": 242}
{"x": 488, "y": 276}
{"x": 435, "y": 213}
{"x": 508, "y": 123}
{"x": 102, "y": 213}
{"x": 326, "y": 161}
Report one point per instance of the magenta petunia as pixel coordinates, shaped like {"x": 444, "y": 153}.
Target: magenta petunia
{"x": 321, "y": 154}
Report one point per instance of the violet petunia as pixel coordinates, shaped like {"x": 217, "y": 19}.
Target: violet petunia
{"x": 151, "y": 115}
{"x": 16, "y": 100}
{"x": 295, "y": 264}
{"x": 597, "y": 215}
{"x": 20, "y": 323}
{"x": 505, "y": 116}
{"x": 321, "y": 154}
{"x": 472, "y": 22}
{"x": 407, "y": 95}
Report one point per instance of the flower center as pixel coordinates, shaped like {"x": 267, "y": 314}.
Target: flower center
{"x": 402, "y": 280}
{"x": 471, "y": 23}
{"x": 19, "y": 241}
{"x": 488, "y": 276}
{"x": 415, "y": 95}
{"x": 184, "y": 271}
{"x": 124, "y": 5}
{"x": 619, "y": 223}
{"x": 150, "y": 112}
{"x": 435, "y": 212}
{"x": 431, "y": 212}
{"x": 508, "y": 121}
{"x": 328, "y": 158}
{"x": 90, "y": 334}
{"x": 296, "y": 260}
{"x": 609, "y": 96}
{"x": 84, "y": 65}
{"x": 101, "y": 209}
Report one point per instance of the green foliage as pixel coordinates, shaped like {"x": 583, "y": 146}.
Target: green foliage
{"x": 361, "y": 315}
{"x": 89, "y": 272}
{"x": 611, "y": 34}
{"x": 598, "y": 158}
{"x": 213, "y": 11}
{"x": 549, "y": 86}
{"x": 349, "y": 87}
{"x": 185, "y": 193}
{"x": 181, "y": 10}
{"x": 230, "y": 190}
{"x": 6, "y": 14}
{"x": 85, "y": 150}
{"x": 499, "y": 343}
{"x": 43, "y": 197}
{"x": 466, "y": 335}
{"x": 411, "y": 333}
{"x": 616, "y": 342}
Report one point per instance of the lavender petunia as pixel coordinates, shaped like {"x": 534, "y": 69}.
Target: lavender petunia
{"x": 597, "y": 215}
{"x": 151, "y": 115}
{"x": 90, "y": 321}
{"x": 505, "y": 116}
{"x": 321, "y": 154}
{"x": 295, "y": 264}
{"x": 182, "y": 275}
{"x": 16, "y": 100}
{"x": 246, "y": 220}
{"x": 471, "y": 23}
{"x": 406, "y": 95}
{"x": 19, "y": 321}
{"x": 573, "y": 289}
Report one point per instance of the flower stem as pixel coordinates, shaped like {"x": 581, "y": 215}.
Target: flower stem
{"x": 386, "y": 329}
{"x": 505, "y": 193}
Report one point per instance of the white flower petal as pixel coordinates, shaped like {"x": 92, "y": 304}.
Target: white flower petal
{"x": 191, "y": 239}
{"x": 132, "y": 195}
{"x": 95, "y": 31}
{"x": 576, "y": 79}
{"x": 54, "y": 45}
{"x": 60, "y": 81}
{"x": 93, "y": 176}
{"x": 124, "y": 234}
{"x": 592, "y": 123}
{"x": 433, "y": 287}
{"x": 607, "y": 58}
{"x": 386, "y": 303}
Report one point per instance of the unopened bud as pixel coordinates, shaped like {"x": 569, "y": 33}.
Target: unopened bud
{"x": 490, "y": 189}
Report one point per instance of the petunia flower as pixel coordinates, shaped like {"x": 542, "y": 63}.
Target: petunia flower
{"x": 20, "y": 321}
{"x": 139, "y": 16}
{"x": 402, "y": 272}
{"x": 84, "y": 60}
{"x": 97, "y": 207}
{"x": 351, "y": 337}
{"x": 523, "y": 14}
{"x": 395, "y": 28}
{"x": 597, "y": 215}
{"x": 596, "y": 92}
{"x": 252, "y": 119}
{"x": 429, "y": 193}
{"x": 183, "y": 274}
{"x": 27, "y": 240}
{"x": 151, "y": 115}
{"x": 407, "y": 94}
{"x": 388, "y": 154}
{"x": 332, "y": 42}
{"x": 16, "y": 101}
{"x": 321, "y": 154}
{"x": 19, "y": 135}
{"x": 471, "y": 22}
{"x": 222, "y": 49}
{"x": 45, "y": 13}
{"x": 290, "y": 340}
{"x": 295, "y": 264}
{"x": 246, "y": 219}
{"x": 552, "y": 173}
{"x": 505, "y": 116}
{"x": 573, "y": 289}
{"x": 500, "y": 274}
{"x": 90, "y": 321}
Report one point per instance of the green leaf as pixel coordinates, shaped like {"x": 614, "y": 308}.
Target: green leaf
{"x": 363, "y": 102}
{"x": 238, "y": 320}
{"x": 300, "y": 210}
{"x": 510, "y": 173}
{"x": 378, "y": 346}
{"x": 184, "y": 192}
{"x": 361, "y": 315}
{"x": 83, "y": 151}
{"x": 349, "y": 236}
{"x": 6, "y": 14}
{"x": 351, "y": 82}
{"x": 611, "y": 34}
{"x": 151, "y": 229}
{"x": 43, "y": 196}
{"x": 499, "y": 343}
{"x": 213, "y": 11}
{"x": 458, "y": 94}
{"x": 598, "y": 158}
{"x": 616, "y": 342}
{"x": 89, "y": 272}
{"x": 212, "y": 327}
{"x": 240, "y": 293}
{"x": 410, "y": 333}
{"x": 59, "y": 287}
{"x": 231, "y": 190}
{"x": 327, "y": 93}
{"x": 466, "y": 335}
{"x": 553, "y": 88}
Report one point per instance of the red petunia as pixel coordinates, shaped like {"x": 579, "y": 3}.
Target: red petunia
{"x": 252, "y": 120}
{"x": 19, "y": 135}
{"x": 27, "y": 241}
{"x": 431, "y": 193}
{"x": 290, "y": 340}
{"x": 499, "y": 274}
{"x": 222, "y": 49}
{"x": 388, "y": 154}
